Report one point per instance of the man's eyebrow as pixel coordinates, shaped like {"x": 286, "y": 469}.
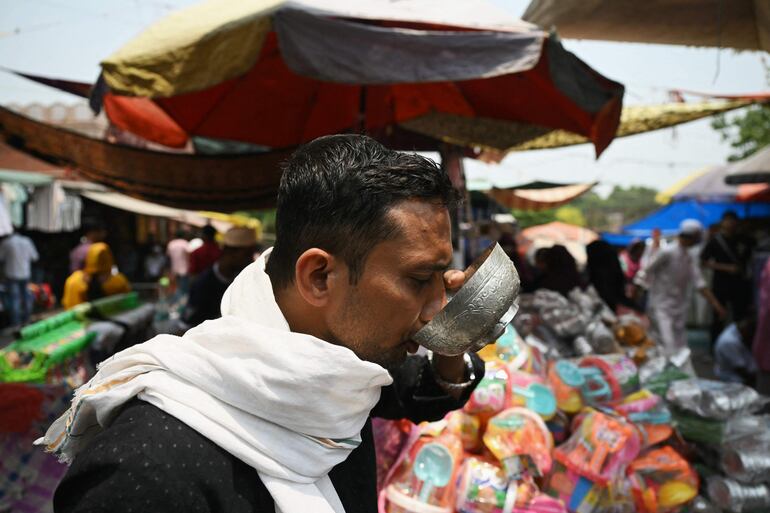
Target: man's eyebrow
{"x": 433, "y": 266}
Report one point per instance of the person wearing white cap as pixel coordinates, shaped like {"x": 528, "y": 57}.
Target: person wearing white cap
{"x": 669, "y": 276}
{"x": 207, "y": 290}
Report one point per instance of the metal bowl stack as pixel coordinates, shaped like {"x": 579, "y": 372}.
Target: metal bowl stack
{"x": 479, "y": 312}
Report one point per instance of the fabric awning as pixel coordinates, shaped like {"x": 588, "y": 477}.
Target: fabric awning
{"x": 635, "y": 119}
{"x": 137, "y": 206}
{"x": 739, "y": 24}
{"x": 222, "y": 222}
{"x": 540, "y": 198}
{"x": 574, "y": 238}
{"x": 24, "y": 177}
{"x": 755, "y": 169}
{"x": 560, "y": 233}
{"x": 196, "y": 182}
{"x": 15, "y": 160}
{"x": 709, "y": 185}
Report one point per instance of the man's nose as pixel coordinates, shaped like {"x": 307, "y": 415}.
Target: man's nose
{"x": 435, "y": 302}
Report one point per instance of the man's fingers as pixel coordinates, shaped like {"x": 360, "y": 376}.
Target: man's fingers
{"x": 454, "y": 279}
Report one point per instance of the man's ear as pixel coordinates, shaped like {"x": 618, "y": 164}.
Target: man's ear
{"x": 313, "y": 274}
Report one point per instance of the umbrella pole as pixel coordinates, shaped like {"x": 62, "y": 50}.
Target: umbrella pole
{"x": 362, "y": 110}
{"x": 452, "y": 164}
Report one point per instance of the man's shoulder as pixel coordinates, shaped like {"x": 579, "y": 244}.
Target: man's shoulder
{"x": 143, "y": 436}
{"x": 149, "y": 451}
{"x": 205, "y": 279}
{"x": 178, "y": 245}
{"x": 203, "y": 248}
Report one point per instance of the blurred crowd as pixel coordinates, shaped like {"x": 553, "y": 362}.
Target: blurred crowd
{"x": 190, "y": 274}
{"x": 724, "y": 266}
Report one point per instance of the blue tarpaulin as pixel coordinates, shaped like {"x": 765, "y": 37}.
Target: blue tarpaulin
{"x": 667, "y": 219}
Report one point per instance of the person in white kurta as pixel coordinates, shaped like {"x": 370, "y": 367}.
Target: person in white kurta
{"x": 669, "y": 276}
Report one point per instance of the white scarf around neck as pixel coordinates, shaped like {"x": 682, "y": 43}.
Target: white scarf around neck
{"x": 288, "y": 404}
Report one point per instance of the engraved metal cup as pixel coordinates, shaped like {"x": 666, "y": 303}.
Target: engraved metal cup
{"x": 479, "y": 312}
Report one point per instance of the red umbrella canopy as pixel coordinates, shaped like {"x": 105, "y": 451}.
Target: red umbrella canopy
{"x": 414, "y": 81}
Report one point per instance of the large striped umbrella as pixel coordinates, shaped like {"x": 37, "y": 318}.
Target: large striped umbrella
{"x": 412, "y": 73}
{"x": 708, "y": 185}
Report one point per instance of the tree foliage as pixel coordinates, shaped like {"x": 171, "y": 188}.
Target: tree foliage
{"x": 571, "y": 215}
{"x": 747, "y": 132}
{"x": 595, "y": 212}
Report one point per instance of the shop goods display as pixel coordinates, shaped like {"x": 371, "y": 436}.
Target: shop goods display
{"x": 46, "y": 346}
{"x": 733, "y": 496}
{"x": 38, "y": 375}
{"x": 662, "y": 481}
{"x": 550, "y": 429}
{"x": 714, "y": 399}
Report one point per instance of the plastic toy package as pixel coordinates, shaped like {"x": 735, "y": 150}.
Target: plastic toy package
{"x": 530, "y": 391}
{"x": 515, "y": 352}
{"x": 492, "y": 394}
{"x": 650, "y": 415}
{"x": 600, "y": 448}
{"x": 581, "y": 495}
{"x": 593, "y": 434}
{"x": 391, "y": 437}
{"x": 662, "y": 481}
{"x": 467, "y": 427}
{"x": 483, "y": 488}
{"x": 424, "y": 480}
{"x": 521, "y": 442}
{"x": 589, "y": 380}
{"x": 567, "y": 383}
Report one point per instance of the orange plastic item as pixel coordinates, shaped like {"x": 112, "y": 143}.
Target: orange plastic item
{"x": 662, "y": 481}
{"x": 520, "y": 440}
{"x": 568, "y": 398}
{"x": 601, "y": 447}
{"x": 467, "y": 427}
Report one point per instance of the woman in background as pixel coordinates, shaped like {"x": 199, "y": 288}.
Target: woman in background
{"x": 561, "y": 272}
{"x": 96, "y": 279}
{"x": 606, "y": 275}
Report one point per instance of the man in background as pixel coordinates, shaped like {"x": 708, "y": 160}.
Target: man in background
{"x": 178, "y": 254}
{"x": 17, "y": 253}
{"x": 207, "y": 289}
{"x": 733, "y": 361}
{"x": 761, "y": 345}
{"x": 728, "y": 254}
{"x": 204, "y": 257}
{"x": 669, "y": 276}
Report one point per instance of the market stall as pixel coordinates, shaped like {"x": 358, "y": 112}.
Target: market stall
{"x": 39, "y": 372}
{"x": 579, "y": 411}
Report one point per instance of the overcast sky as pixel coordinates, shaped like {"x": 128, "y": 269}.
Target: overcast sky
{"x": 67, "y": 38}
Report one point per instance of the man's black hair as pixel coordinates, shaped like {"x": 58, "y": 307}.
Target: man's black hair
{"x": 209, "y": 232}
{"x": 730, "y": 214}
{"x": 335, "y": 194}
{"x": 92, "y": 225}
